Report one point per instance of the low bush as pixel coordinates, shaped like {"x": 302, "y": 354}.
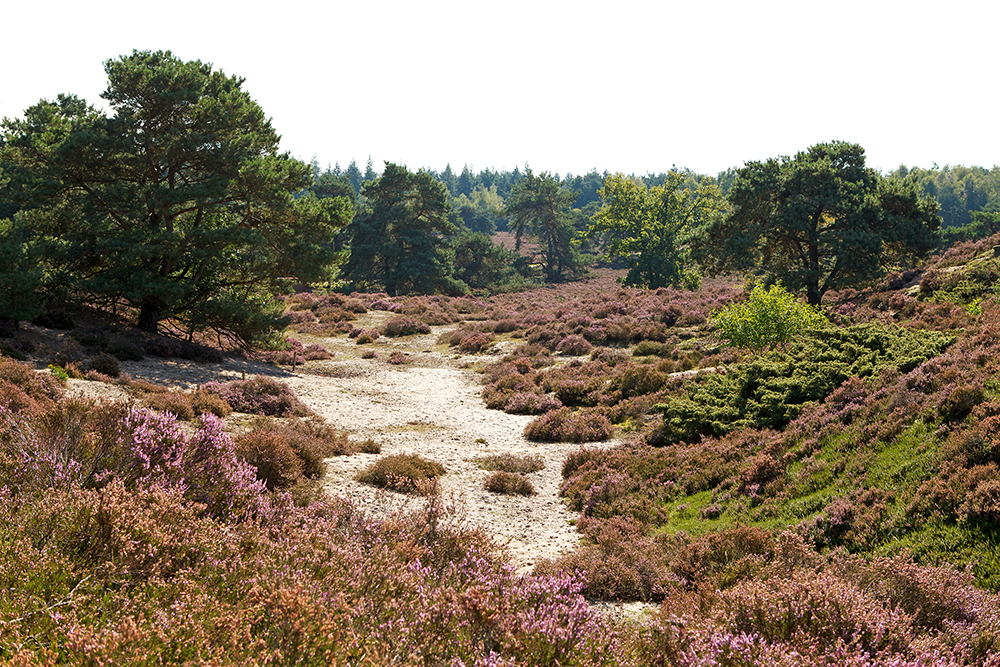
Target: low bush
{"x": 404, "y": 326}
{"x": 509, "y": 484}
{"x": 574, "y": 346}
{"x": 398, "y": 358}
{"x": 564, "y": 425}
{"x": 175, "y": 402}
{"x": 105, "y": 364}
{"x": 206, "y": 402}
{"x": 475, "y": 341}
{"x": 767, "y": 318}
{"x": 409, "y": 473}
{"x": 508, "y": 462}
{"x": 260, "y": 395}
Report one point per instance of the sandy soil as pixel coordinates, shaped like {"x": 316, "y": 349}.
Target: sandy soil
{"x": 430, "y": 406}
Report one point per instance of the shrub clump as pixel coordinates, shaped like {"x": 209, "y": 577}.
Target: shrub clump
{"x": 402, "y": 325}
{"x": 766, "y": 318}
{"x": 564, "y": 425}
{"x": 285, "y": 452}
{"x": 409, "y": 473}
{"x": 509, "y": 483}
{"x": 105, "y": 364}
{"x": 508, "y": 462}
{"x": 260, "y": 395}
{"x": 574, "y": 346}
{"x": 175, "y": 402}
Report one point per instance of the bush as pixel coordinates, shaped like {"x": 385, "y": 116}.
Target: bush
{"x": 206, "y": 402}
{"x": 766, "y": 318}
{"x": 508, "y": 462}
{"x": 574, "y": 346}
{"x": 174, "y": 402}
{"x": 475, "y": 342}
{"x": 509, "y": 484}
{"x": 409, "y": 473}
{"x": 402, "y": 325}
{"x": 105, "y": 364}
{"x": 563, "y": 425}
{"x": 261, "y": 396}
{"x": 272, "y": 456}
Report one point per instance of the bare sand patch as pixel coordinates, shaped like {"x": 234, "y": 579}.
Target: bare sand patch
{"x": 430, "y": 406}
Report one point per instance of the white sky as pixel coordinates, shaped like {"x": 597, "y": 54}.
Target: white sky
{"x": 562, "y": 85}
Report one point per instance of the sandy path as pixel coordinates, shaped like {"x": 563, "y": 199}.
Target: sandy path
{"x": 431, "y": 407}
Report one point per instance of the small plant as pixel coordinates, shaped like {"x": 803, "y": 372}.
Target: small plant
{"x": 509, "y": 483}
{"x": 409, "y": 473}
{"x": 105, "y": 364}
{"x": 397, "y": 358}
{"x": 508, "y": 462}
{"x": 564, "y": 425}
{"x": 574, "y": 346}
{"x": 402, "y": 325}
{"x": 205, "y": 402}
{"x": 368, "y": 446}
{"x": 174, "y": 402}
{"x": 767, "y": 318}
{"x": 260, "y": 395}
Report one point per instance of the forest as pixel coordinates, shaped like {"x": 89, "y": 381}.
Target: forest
{"x": 779, "y": 384}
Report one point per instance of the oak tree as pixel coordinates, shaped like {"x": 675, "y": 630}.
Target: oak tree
{"x": 648, "y": 227}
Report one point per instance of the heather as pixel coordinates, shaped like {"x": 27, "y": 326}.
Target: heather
{"x": 127, "y": 539}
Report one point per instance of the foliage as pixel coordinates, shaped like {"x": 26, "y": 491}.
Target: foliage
{"x": 509, "y": 483}
{"x": 259, "y": 395}
{"x": 178, "y": 205}
{"x": 770, "y": 390}
{"x": 408, "y": 473}
{"x": 819, "y": 221}
{"x": 507, "y": 462}
{"x": 649, "y": 227}
{"x": 539, "y": 205}
{"x": 563, "y": 425}
{"x": 399, "y": 242}
{"x": 766, "y": 318}
{"x": 21, "y": 274}
{"x": 402, "y": 325}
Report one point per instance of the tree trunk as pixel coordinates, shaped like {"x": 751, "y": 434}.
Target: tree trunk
{"x": 149, "y": 317}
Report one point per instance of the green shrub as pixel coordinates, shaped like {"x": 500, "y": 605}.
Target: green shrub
{"x": 409, "y": 473}
{"x": 509, "y": 484}
{"x": 766, "y": 318}
{"x": 769, "y": 390}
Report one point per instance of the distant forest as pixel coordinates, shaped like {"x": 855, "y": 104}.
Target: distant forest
{"x": 962, "y": 192}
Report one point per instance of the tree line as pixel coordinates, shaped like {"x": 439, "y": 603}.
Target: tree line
{"x": 178, "y": 206}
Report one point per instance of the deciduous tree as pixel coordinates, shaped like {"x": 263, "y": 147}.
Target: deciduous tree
{"x": 819, "y": 221}
{"x": 648, "y": 227}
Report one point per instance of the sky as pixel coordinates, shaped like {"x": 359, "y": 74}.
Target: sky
{"x": 559, "y": 86}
